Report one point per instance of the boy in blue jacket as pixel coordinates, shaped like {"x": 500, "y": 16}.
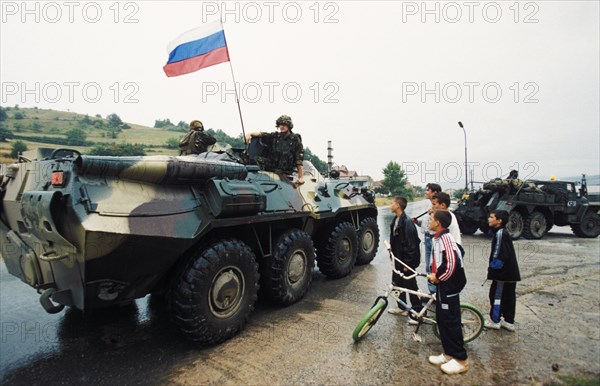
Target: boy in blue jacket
{"x": 503, "y": 270}
{"x": 447, "y": 272}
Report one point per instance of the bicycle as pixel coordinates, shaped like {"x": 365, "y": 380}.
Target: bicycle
{"x": 472, "y": 319}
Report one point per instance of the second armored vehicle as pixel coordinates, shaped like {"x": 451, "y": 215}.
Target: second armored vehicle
{"x": 534, "y": 207}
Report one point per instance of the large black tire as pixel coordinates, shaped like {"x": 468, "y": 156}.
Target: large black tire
{"x": 515, "y": 225}
{"x": 370, "y": 318}
{"x": 535, "y": 226}
{"x": 368, "y": 240}
{"x": 288, "y": 272}
{"x": 337, "y": 251}
{"x": 589, "y": 226}
{"x": 468, "y": 227}
{"x": 213, "y": 295}
{"x": 471, "y": 320}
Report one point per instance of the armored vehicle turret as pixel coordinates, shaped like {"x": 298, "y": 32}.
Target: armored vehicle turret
{"x": 204, "y": 230}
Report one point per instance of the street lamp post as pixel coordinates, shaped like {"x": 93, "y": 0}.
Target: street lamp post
{"x": 466, "y": 167}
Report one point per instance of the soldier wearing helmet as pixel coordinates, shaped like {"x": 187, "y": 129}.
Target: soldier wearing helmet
{"x": 196, "y": 141}
{"x": 286, "y": 152}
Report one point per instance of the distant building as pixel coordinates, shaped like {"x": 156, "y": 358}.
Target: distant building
{"x": 354, "y": 178}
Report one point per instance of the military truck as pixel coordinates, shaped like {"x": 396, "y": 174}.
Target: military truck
{"x": 205, "y": 231}
{"x": 534, "y": 207}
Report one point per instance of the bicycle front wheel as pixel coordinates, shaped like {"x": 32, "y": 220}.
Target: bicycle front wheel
{"x": 370, "y": 319}
{"x": 471, "y": 320}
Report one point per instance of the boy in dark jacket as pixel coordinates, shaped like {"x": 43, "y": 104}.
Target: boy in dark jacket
{"x": 447, "y": 272}
{"x": 503, "y": 270}
{"x": 404, "y": 242}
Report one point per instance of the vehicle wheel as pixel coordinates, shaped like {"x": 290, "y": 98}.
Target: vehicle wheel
{"x": 369, "y": 320}
{"x": 368, "y": 241}
{"x": 535, "y": 226}
{"x": 471, "y": 320}
{"x": 288, "y": 272}
{"x": 467, "y": 227}
{"x": 337, "y": 253}
{"x": 214, "y": 293}
{"x": 589, "y": 227}
{"x": 515, "y": 225}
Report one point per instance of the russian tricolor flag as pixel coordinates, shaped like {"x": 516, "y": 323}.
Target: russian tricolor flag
{"x": 197, "y": 49}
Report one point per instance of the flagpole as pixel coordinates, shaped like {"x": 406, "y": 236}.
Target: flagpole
{"x": 237, "y": 98}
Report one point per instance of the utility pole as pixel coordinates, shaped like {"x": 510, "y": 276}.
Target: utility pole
{"x": 466, "y": 165}
{"x": 329, "y": 156}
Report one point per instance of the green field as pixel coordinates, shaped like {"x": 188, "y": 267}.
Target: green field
{"x": 35, "y": 122}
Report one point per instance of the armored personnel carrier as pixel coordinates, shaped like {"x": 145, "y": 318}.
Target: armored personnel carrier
{"x": 204, "y": 230}
{"x": 534, "y": 207}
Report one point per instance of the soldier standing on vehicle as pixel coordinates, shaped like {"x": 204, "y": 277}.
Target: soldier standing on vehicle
{"x": 286, "y": 152}
{"x": 196, "y": 141}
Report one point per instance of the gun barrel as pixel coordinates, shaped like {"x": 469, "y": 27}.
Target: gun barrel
{"x": 159, "y": 169}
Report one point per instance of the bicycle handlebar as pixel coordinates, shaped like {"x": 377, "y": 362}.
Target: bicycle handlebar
{"x": 402, "y": 274}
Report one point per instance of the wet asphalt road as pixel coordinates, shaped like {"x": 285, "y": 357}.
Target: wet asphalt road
{"x": 558, "y": 322}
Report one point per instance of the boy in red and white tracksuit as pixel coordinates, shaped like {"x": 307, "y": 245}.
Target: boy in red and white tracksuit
{"x": 447, "y": 272}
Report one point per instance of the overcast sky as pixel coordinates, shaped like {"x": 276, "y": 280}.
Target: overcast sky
{"x": 382, "y": 80}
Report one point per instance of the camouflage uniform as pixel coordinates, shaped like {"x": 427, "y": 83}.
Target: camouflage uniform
{"x": 196, "y": 141}
{"x": 286, "y": 152}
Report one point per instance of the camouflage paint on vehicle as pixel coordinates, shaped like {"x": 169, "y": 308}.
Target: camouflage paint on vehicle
{"x": 90, "y": 231}
{"x": 534, "y": 207}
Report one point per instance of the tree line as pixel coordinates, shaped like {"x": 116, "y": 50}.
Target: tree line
{"x": 394, "y": 182}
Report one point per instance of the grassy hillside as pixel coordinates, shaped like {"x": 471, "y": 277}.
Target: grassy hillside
{"x": 53, "y": 129}
{"x": 36, "y": 127}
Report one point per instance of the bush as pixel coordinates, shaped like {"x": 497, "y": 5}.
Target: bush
{"x": 160, "y": 123}
{"x": 86, "y": 121}
{"x": 172, "y": 143}
{"x": 5, "y": 134}
{"x": 16, "y": 148}
{"x": 118, "y": 150}
{"x": 36, "y": 127}
{"x": 51, "y": 140}
{"x": 19, "y": 115}
{"x": 76, "y": 137}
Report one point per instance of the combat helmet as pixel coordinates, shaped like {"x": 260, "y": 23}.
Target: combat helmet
{"x": 284, "y": 120}
{"x": 196, "y": 124}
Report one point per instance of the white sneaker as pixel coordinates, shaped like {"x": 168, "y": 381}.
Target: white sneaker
{"x": 453, "y": 367}
{"x": 508, "y": 326}
{"x": 398, "y": 311}
{"x": 491, "y": 325}
{"x": 437, "y": 359}
{"x": 412, "y": 321}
